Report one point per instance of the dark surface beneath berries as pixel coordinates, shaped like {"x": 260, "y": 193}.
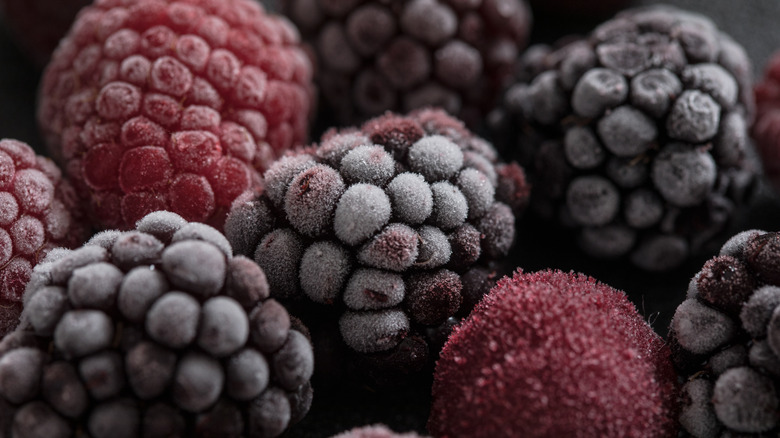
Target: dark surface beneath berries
{"x": 335, "y": 408}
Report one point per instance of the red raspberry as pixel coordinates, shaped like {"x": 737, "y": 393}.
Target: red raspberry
{"x": 36, "y": 215}
{"x": 173, "y": 104}
{"x": 37, "y": 26}
{"x": 766, "y": 129}
{"x": 550, "y": 354}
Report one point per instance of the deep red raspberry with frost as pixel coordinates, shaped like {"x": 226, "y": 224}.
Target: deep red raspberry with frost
{"x": 173, "y": 104}
{"x": 37, "y": 213}
{"x": 377, "y": 55}
{"x": 37, "y": 26}
{"x": 554, "y": 354}
{"x": 766, "y": 129}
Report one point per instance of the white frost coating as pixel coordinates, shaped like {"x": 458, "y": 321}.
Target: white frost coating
{"x": 698, "y": 417}
{"x": 278, "y": 177}
{"x": 104, "y": 239}
{"x": 395, "y": 248}
{"x": 206, "y": 233}
{"x": 450, "y": 208}
{"x": 435, "y": 248}
{"x": 362, "y": 211}
{"x": 701, "y": 329}
{"x": 734, "y": 246}
{"x": 374, "y": 289}
{"x": 411, "y": 198}
{"x": 477, "y": 190}
{"x": 161, "y": 224}
{"x": 368, "y": 164}
{"x": 757, "y": 311}
{"x": 324, "y": 268}
{"x": 435, "y": 157}
{"x": 333, "y": 149}
{"x": 371, "y": 332}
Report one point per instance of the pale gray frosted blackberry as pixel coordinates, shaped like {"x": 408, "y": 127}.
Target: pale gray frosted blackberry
{"x": 158, "y": 331}
{"x": 381, "y": 222}
{"x": 725, "y": 340}
{"x": 374, "y": 56}
{"x": 636, "y": 135}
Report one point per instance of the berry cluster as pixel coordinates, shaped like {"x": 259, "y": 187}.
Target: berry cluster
{"x": 376, "y": 55}
{"x": 158, "y": 331}
{"x": 37, "y": 213}
{"x": 725, "y": 339}
{"x": 393, "y": 222}
{"x": 639, "y": 134}
{"x": 554, "y": 354}
{"x": 173, "y": 104}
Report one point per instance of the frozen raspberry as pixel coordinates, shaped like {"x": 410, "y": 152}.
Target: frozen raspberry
{"x": 37, "y": 26}
{"x": 158, "y": 331}
{"x": 383, "y": 223}
{"x": 765, "y": 129}
{"x": 376, "y": 55}
{"x": 725, "y": 340}
{"x": 38, "y": 212}
{"x": 375, "y": 431}
{"x": 636, "y": 136}
{"x": 169, "y": 104}
{"x": 554, "y": 354}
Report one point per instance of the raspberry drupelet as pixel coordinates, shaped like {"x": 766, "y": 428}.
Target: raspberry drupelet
{"x": 554, "y": 354}
{"x": 38, "y": 212}
{"x": 173, "y": 104}
{"x": 725, "y": 340}
{"x": 766, "y": 129}
{"x": 637, "y": 135}
{"x": 376, "y": 55}
{"x": 155, "y": 332}
{"x": 389, "y": 225}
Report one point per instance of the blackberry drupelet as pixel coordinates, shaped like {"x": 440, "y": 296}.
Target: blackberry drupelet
{"x": 724, "y": 340}
{"x": 158, "y": 331}
{"x": 173, "y": 105}
{"x": 375, "y": 56}
{"x": 384, "y": 224}
{"x": 554, "y": 354}
{"x": 38, "y": 212}
{"x": 636, "y": 136}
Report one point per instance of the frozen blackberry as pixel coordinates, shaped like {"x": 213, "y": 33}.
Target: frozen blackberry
{"x": 766, "y": 129}
{"x": 37, "y": 27}
{"x": 376, "y": 55}
{"x": 173, "y": 105}
{"x": 375, "y": 431}
{"x": 383, "y": 223}
{"x": 554, "y": 354}
{"x": 725, "y": 340}
{"x": 636, "y": 135}
{"x": 38, "y": 212}
{"x": 159, "y": 331}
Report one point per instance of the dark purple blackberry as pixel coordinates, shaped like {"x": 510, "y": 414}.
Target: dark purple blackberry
{"x": 635, "y": 136}
{"x": 725, "y": 340}
{"x": 384, "y": 223}
{"x": 376, "y": 55}
{"x": 158, "y": 331}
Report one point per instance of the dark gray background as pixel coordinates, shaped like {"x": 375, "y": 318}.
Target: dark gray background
{"x": 752, "y": 23}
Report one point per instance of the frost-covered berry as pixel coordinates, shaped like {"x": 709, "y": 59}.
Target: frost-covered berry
{"x": 636, "y": 134}
{"x": 173, "y": 105}
{"x": 725, "y": 339}
{"x": 381, "y": 223}
{"x": 765, "y": 128}
{"x": 375, "y": 431}
{"x": 185, "y": 342}
{"x": 38, "y": 212}
{"x": 514, "y": 367}
{"x": 375, "y": 56}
